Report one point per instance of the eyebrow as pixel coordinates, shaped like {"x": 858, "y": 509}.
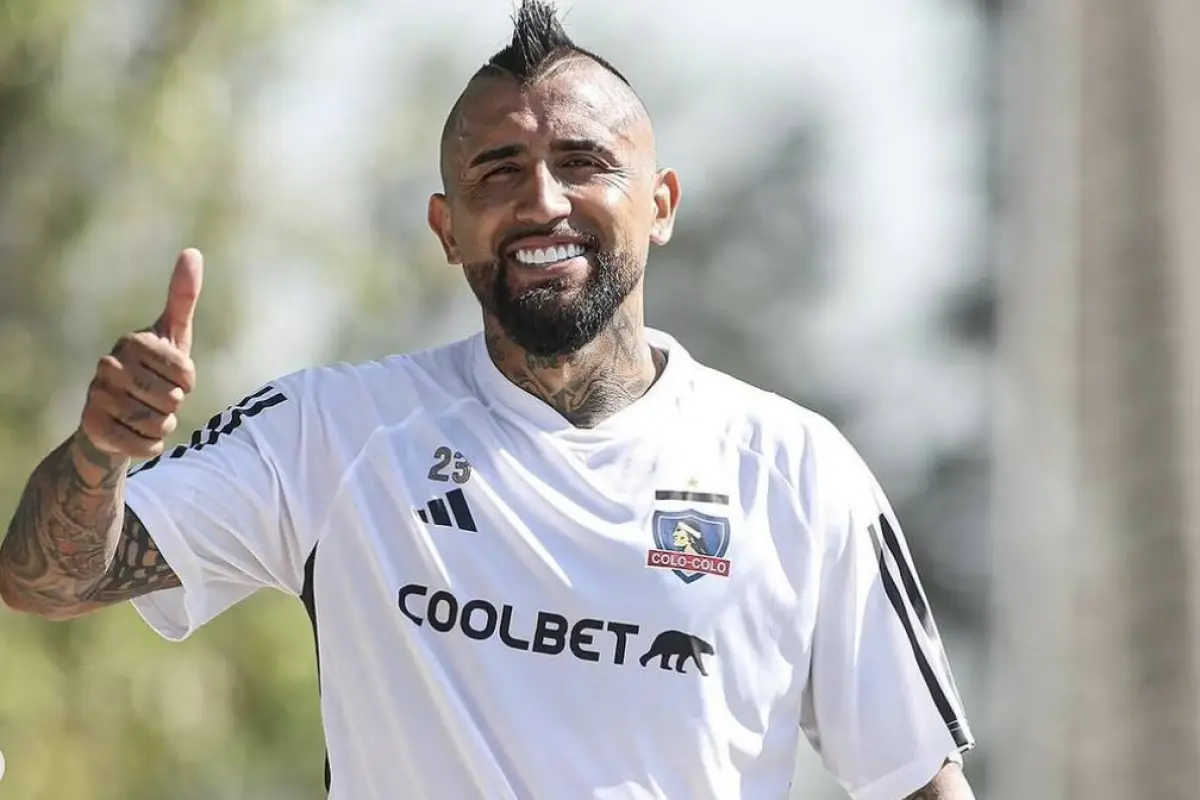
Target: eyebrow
{"x": 560, "y": 146}
{"x": 583, "y": 146}
{"x": 497, "y": 154}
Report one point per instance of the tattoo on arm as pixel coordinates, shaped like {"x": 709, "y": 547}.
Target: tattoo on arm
{"x": 929, "y": 792}
{"x": 948, "y": 784}
{"x": 59, "y": 538}
{"x": 55, "y": 559}
{"x": 138, "y": 567}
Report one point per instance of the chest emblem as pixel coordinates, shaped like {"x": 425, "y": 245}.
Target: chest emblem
{"x": 690, "y": 543}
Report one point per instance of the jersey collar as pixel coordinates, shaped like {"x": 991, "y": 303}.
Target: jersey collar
{"x": 648, "y": 411}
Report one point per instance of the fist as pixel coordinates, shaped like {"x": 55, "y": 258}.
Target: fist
{"x": 141, "y": 384}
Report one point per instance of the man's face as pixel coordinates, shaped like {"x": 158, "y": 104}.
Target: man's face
{"x": 552, "y": 203}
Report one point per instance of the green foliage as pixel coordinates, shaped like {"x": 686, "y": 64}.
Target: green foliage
{"x": 121, "y": 133}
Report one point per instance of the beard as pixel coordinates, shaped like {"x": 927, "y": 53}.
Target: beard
{"x": 558, "y": 317}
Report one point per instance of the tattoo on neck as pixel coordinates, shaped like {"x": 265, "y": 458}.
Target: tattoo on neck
{"x": 588, "y": 386}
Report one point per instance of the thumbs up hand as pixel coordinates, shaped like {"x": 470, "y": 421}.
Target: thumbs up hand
{"x": 139, "y": 387}
{"x": 175, "y": 323}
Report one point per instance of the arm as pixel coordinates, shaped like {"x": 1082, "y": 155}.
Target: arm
{"x": 948, "y": 784}
{"x": 72, "y": 546}
{"x": 231, "y": 511}
{"x": 882, "y": 706}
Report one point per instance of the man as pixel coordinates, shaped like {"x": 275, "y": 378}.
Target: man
{"x": 557, "y": 559}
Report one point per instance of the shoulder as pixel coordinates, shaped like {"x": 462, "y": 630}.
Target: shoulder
{"x": 801, "y": 445}
{"x": 339, "y": 406}
{"x": 319, "y": 419}
{"x": 822, "y": 470}
{"x": 386, "y": 389}
{"x": 763, "y": 421}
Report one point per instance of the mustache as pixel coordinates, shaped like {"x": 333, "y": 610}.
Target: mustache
{"x": 588, "y": 240}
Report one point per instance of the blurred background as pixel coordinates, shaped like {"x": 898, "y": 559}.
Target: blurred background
{"x": 964, "y": 230}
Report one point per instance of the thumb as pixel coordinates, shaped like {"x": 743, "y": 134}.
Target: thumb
{"x": 182, "y": 295}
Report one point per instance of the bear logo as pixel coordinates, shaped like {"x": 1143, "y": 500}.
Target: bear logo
{"x": 682, "y": 646}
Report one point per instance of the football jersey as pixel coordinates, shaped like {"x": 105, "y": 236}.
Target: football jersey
{"x": 507, "y": 606}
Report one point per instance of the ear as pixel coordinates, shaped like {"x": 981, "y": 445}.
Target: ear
{"x": 666, "y": 202}
{"x": 439, "y": 223}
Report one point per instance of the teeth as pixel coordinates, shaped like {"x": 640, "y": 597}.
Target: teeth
{"x": 549, "y": 255}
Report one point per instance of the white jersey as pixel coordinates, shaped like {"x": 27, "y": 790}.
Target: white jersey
{"x": 506, "y": 606}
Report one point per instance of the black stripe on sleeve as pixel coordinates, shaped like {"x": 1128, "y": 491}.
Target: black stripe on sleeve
{"x": 238, "y": 414}
{"x": 912, "y": 587}
{"x": 897, "y": 598}
{"x": 907, "y": 576}
{"x": 309, "y": 599}
{"x": 246, "y": 400}
{"x": 218, "y": 426}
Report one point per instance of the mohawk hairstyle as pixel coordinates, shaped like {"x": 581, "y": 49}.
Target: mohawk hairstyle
{"x": 539, "y": 42}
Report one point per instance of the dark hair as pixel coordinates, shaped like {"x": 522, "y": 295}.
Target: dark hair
{"x": 539, "y": 42}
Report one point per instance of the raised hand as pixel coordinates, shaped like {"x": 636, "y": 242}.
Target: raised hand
{"x": 141, "y": 384}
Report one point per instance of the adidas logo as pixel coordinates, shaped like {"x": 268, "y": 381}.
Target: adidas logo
{"x": 436, "y": 512}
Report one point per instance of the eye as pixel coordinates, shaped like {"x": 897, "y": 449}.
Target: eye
{"x": 581, "y": 162}
{"x": 503, "y": 169}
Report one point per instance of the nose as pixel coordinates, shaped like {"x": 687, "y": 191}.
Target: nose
{"x": 544, "y": 199}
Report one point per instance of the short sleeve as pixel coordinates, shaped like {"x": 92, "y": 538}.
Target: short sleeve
{"x": 881, "y": 706}
{"x": 225, "y": 510}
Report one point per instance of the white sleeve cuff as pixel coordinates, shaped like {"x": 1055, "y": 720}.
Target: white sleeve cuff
{"x": 904, "y": 781}
{"x": 170, "y": 612}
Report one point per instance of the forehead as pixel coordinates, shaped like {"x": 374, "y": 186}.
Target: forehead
{"x": 581, "y": 102}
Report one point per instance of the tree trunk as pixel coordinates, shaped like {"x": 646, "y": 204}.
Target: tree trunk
{"x": 1096, "y": 619}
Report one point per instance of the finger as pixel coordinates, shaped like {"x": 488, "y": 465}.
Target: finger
{"x": 141, "y": 384}
{"x": 173, "y": 367}
{"x": 118, "y": 407}
{"x": 101, "y": 426}
{"x": 95, "y": 424}
{"x": 110, "y": 437}
{"x": 131, "y": 415}
{"x": 182, "y": 295}
{"x": 146, "y": 350}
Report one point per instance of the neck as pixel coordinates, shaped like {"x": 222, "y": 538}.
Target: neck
{"x": 592, "y": 384}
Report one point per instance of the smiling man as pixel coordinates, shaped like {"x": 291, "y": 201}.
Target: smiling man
{"x": 552, "y": 200}
{"x": 559, "y": 558}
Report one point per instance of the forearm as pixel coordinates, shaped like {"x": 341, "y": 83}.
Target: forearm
{"x": 62, "y": 538}
{"x": 948, "y": 784}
